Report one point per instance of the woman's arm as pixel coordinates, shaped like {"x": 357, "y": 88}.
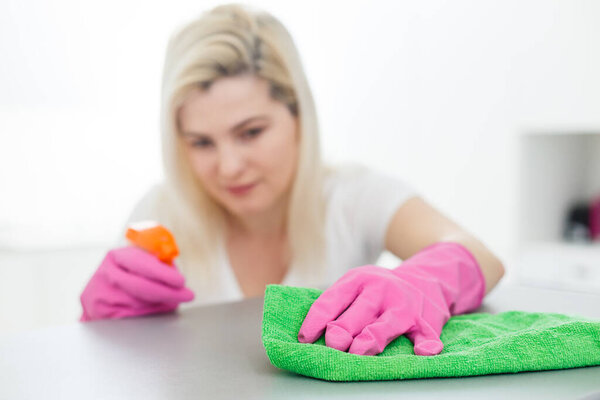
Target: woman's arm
{"x": 416, "y": 225}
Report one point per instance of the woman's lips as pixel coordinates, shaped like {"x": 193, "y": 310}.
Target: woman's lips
{"x": 240, "y": 190}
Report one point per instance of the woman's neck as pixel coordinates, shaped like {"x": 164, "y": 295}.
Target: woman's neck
{"x": 269, "y": 225}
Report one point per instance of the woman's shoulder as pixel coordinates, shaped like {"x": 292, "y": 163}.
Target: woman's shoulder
{"x": 354, "y": 187}
{"x": 361, "y": 202}
{"x": 339, "y": 174}
{"x": 146, "y": 208}
{"x": 151, "y": 205}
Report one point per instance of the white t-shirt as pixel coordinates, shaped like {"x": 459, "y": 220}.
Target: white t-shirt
{"x": 360, "y": 205}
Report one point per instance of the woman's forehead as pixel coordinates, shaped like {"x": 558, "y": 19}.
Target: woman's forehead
{"x": 226, "y": 103}
{"x": 231, "y": 91}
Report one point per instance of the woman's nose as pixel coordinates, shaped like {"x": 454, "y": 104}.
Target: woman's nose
{"x": 231, "y": 161}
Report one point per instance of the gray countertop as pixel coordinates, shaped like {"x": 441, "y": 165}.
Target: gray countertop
{"x": 216, "y": 352}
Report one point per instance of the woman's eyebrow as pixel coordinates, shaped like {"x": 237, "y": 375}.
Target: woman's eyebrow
{"x": 244, "y": 122}
{"x": 235, "y": 128}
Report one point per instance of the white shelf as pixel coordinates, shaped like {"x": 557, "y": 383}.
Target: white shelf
{"x": 556, "y": 170}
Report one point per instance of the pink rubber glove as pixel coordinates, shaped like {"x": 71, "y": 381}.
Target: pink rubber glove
{"x": 370, "y": 306}
{"x": 131, "y": 282}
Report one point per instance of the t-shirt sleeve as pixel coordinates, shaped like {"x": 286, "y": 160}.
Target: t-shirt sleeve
{"x": 372, "y": 199}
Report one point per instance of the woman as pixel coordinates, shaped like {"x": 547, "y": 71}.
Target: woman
{"x": 251, "y": 203}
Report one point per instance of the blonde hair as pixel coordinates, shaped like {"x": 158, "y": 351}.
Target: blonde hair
{"x": 225, "y": 41}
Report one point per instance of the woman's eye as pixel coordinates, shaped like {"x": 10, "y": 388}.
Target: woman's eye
{"x": 202, "y": 143}
{"x": 250, "y": 133}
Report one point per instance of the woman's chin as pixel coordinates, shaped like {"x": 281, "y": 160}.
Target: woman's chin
{"x": 247, "y": 210}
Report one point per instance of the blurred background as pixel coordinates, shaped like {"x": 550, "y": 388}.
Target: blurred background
{"x": 491, "y": 109}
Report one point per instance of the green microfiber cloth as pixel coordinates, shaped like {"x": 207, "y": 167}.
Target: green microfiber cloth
{"x": 474, "y": 344}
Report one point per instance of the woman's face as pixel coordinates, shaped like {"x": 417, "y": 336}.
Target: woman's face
{"x": 242, "y": 144}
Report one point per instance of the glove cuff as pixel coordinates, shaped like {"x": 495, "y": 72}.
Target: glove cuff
{"x": 448, "y": 274}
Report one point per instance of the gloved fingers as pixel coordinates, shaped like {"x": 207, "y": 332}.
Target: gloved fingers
{"x": 426, "y": 340}
{"x": 123, "y": 311}
{"x": 330, "y": 304}
{"x": 148, "y": 290}
{"x": 102, "y": 306}
{"x": 84, "y": 317}
{"x": 103, "y": 310}
{"x": 122, "y": 304}
{"x": 145, "y": 264}
{"x": 363, "y": 311}
{"x": 375, "y": 337}
{"x": 122, "y": 298}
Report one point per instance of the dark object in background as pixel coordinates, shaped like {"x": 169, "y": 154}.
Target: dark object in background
{"x": 577, "y": 225}
{"x": 595, "y": 219}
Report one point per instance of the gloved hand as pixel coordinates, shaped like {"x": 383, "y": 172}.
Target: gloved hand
{"x": 370, "y": 306}
{"x": 131, "y": 282}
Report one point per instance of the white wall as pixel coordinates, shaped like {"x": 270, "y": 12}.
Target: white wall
{"x": 434, "y": 91}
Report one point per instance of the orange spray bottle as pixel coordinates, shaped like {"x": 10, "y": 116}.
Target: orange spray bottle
{"x": 155, "y": 239}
